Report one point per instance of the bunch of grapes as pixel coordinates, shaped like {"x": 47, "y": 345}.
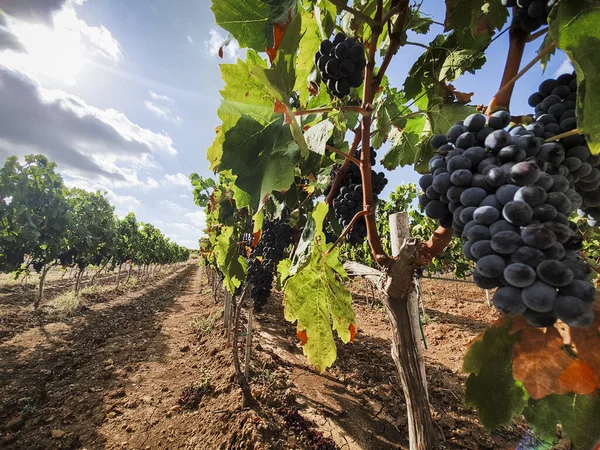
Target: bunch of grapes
{"x": 531, "y": 14}
{"x": 37, "y": 266}
{"x": 554, "y": 105}
{"x": 349, "y": 200}
{"x": 506, "y": 193}
{"x": 341, "y": 64}
{"x": 66, "y": 258}
{"x": 275, "y": 238}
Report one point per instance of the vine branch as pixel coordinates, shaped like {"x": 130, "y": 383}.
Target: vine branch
{"x": 509, "y": 85}
{"x": 345, "y": 155}
{"x": 358, "y": 109}
{"x": 346, "y": 231}
{"x": 341, "y": 174}
{"x": 564, "y": 135}
{"x": 342, "y": 4}
{"x": 532, "y": 37}
{"x": 518, "y": 39}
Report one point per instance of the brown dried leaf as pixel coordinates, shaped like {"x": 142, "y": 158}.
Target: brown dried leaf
{"x": 539, "y": 360}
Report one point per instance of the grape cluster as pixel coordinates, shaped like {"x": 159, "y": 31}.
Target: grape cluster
{"x": 275, "y": 238}
{"x": 66, "y": 258}
{"x": 349, "y": 200}
{"x": 37, "y": 266}
{"x": 341, "y": 64}
{"x": 531, "y": 14}
{"x": 554, "y": 105}
{"x": 506, "y": 193}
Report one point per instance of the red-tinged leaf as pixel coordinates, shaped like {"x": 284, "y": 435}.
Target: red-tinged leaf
{"x": 278, "y": 32}
{"x": 302, "y": 336}
{"x": 313, "y": 88}
{"x": 539, "y": 360}
{"x": 352, "y": 328}
{"x": 579, "y": 378}
{"x": 280, "y": 108}
{"x": 256, "y": 238}
{"x": 463, "y": 97}
{"x": 586, "y": 342}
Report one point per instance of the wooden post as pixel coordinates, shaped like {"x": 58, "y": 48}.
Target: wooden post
{"x": 401, "y": 303}
{"x": 248, "y": 340}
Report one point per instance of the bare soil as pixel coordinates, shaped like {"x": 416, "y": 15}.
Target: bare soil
{"x": 150, "y": 368}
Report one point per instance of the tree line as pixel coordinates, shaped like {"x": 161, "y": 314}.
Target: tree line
{"x": 44, "y": 224}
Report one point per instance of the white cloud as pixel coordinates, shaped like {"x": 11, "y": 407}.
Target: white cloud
{"x": 565, "y": 67}
{"x": 190, "y": 39}
{"x": 196, "y": 217}
{"x": 162, "y": 111}
{"x": 178, "y": 179}
{"x": 56, "y": 41}
{"x": 156, "y": 96}
{"x": 216, "y": 41}
{"x": 72, "y": 133}
{"x": 151, "y": 183}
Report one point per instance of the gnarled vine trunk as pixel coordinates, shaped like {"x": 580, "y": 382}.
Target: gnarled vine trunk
{"x": 401, "y": 303}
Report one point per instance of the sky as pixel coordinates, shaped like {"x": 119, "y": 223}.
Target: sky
{"x": 123, "y": 96}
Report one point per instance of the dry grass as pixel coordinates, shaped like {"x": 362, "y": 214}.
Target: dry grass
{"x": 67, "y": 303}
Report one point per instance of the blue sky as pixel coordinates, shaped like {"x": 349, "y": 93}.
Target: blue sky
{"x": 123, "y": 95}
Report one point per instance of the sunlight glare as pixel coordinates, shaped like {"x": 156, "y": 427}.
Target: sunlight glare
{"x": 57, "y": 53}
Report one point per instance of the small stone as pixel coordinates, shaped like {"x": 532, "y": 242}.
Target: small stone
{"x": 58, "y": 434}
{"x": 118, "y": 393}
{"x": 185, "y": 348}
{"x": 16, "y": 423}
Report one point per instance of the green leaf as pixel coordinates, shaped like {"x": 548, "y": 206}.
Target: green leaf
{"x": 491, "y": 388}
{"x": 405, "y": 143}
{"x": 480, "y": 16}
{"x": 574, "y": 26}
{"x": 309, "y": 45}
{"x": 318, "y": 135}
{"x": 387, "y": 114}
{"x": 261, "y": 157}
{"x": 232, "y": 266}
{"x": 315, "y": 297}
{"x": 579, "y": 416}
{"x": 251, "y": 22}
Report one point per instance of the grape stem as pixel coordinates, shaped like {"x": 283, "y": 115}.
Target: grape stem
{"x": 357, "y": 216}
{"x": 564, "y": 135}
{"x": 436, "y": 244}
{"x": 371, "y": 84}
{"x": 341, "y": 153}
{"x": 395, "y": 41}
{"x": 342, "y": 4}
{"x": 391, "y": 13}
{"x": 508, "y": 86}
{"x": 358, "y": 109}
{"x": 532, "y": 37}
{"x": 341, "y": 174}
{"x": 518, "y": 39}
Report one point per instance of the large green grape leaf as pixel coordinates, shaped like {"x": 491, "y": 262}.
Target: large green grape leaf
{"x": 574, "y": 26}
{"x": 386, "y": 114}
{"x": 309, "y": 45}
{"x": 410, "y": 145}
{"x": 262, "y": 157}
{"x": 447, "y": 57}
{"x": 318, "y": 135}
{"x": 231, "y": 264}
{"x": 579, "y": 416}
{"x": 405, "y": 143}
{"x": 481, "y": 16}
{"x": 315, "y": 297}
{"x": 491, "y": 388}
{"x": 251, "y": 21}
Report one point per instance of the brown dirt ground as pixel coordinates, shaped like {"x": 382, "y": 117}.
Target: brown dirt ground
{"x": 150, "y": 368}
